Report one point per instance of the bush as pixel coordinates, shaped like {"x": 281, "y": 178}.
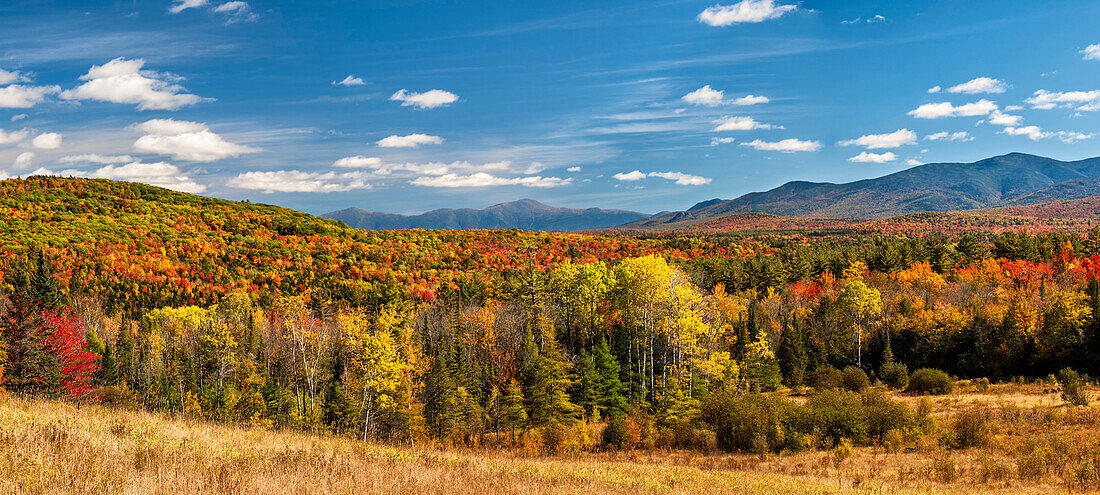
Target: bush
{"x": 1071, "y": 388}
{"x": 615, "y": 434}
{"x": 839, "y": 415}
{"x": 884, "y": 415}
{"x": 981, "y": 385}
{"x": 827, "y": 378}
{"x": 930, "y": 381}
{"x": 855, "y": 379}
{"x": 972, "y": 429}
{"x": 895, "y": 375}
{"x": 750, "y": 423}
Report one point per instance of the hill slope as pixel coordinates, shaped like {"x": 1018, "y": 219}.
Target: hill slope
{"x": 996, "y": 181}
{"x": 525, "y": 214}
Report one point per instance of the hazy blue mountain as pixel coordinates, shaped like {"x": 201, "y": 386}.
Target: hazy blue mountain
{"x": 525, "y": 214}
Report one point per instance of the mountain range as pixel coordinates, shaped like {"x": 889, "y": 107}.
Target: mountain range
{"x": 1007, "y": 180}
{"x": 525, "y": 214}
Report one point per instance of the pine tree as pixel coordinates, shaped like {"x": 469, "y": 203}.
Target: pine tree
{"x": 586, "y": 392}
{"x": 610, "y": 390}
{"x": 545, "y": 380}
{"x": 30, "y": 366}
{"x": 515, "y": 415}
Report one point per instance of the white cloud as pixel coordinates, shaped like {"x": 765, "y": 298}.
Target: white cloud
{"x": 1013, "y": 108}
{"x": 359, "y": 162}
{"x": 482, "y": 179}
{"x": 740, "y": 124}
{"x": 1001, "y": 118}
{"x": 946, "y": 109}
{"x": 723, "y": 140}
{"x": 750, "y": 11}
{"x": 183, "y": 140}
{"x": 47, "y": 141}
{"x": 12, "y": 137}
{"x": 704, "y": 96}
{"x": 573, "y": 169}
{"x": 410, "y": 141}
{"x": 894, "y": 139}
{"x": 913, "y": 162}
{"x": 8, "y": 77}
{"x": 980, "y": 85}
{"x": 1046, "y": 100}
{"x": 94, "y": 158}
{"x": 297, "y": 181}
{"x": 124, "y": 81}
{"x": 24, "y": 160}
{"x": 20, "y": 96}
{"x": 751, "y": 100}
{"x": 786, "y": 146}
{"x": 629, "y": 176}
{"x": 18, "y": 117}
{"x": 1032, "y": 132}
{"x": 935, "y": 89}
{"x": 427, "y": 100}
{"x": 870, "y": 20}
{"x": 866, "y": 157}
{"x": 160, "y": 174}
{"x": 1073, "y": 137}
{"x": 949, "y": 136}
{"x": 681, "y": 178}
{"x": 181, "y": 5}
{"x": 1092, "y": 52}
{"x": 237, "y": 12}
{"x": 351, "y": 80}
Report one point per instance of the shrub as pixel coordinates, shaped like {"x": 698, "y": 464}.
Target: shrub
{"x": 1033, "y": 465}
{"x": 895, "y": 375}
{"x": 884, "y": 415}
{"x": 615, "y": 434}
{"x": 972, "y": 429}
{"x": 1071, "y": 388}
{"x": 944, "y": 467}
{"x": 828, "y": 377}
{"x": 750, "y": 423}
{"x": 842, "y": 452}
{"x": 854, "y": 379}
{"x": 930, "y": 381}
{"x": 981, "y": 385}
{"x": 839, "y": 415}
{"x": 991, "y": 471}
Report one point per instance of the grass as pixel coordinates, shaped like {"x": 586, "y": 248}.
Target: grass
{"x": 51, "y": 447}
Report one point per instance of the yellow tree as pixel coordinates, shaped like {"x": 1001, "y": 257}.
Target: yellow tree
{"x": 858, "y": 305}
{"x": 375, "y": 369}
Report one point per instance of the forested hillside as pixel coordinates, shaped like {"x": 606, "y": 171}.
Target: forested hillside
{"x": 261, "y": 316}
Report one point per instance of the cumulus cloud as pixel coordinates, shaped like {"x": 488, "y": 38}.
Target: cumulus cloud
{"x": 426, "y": 100}
{"x": 1032, "y": 132}
{"x": 894, "y": 139}
{"x": 359, "y": 162}
{"x": 160, "y": 174}
{"x": 629, "y": 176}
{"x": 935, "y": 89}
{"x": 8, "y": 77}
{"x": 1092, "y": 52}
{"x": 297, "y": 181}
{"x": 740, "y": 124}
{"x": 946, "y": 109}
{"x": 751, "y": 100}
{"x": 1000, "y": 118}
{"x": 95, "y": 158}
{"x": 704, "y": 96}
{"x": 980, "y": 85}
{"x": 183, "y": 140}
{"x": 745, "y": 11}
{"x": 681, "y": 178}
{"x": 47, "y": 141}
{"x": 12, "y": 137}
{"x": 724, "y": 140}
{"x": 181, "y": 5}
{"x": 949, "y": 136}
{"x": 378, "y": 166}
{"x": 866, "y": 157}
{"x": 351, "y": 80}
{"x": 482, "y": 179}
{"x": 573, "y": 169}
{"x": 786, "y": 146}
{"x": 1087, "y": 101}
{"x": 24, "y": 160}
{"x": 21, "y": 96}
{"x": 410, "y": 141}
{"x": 913, "y": 162}
{"x": 124, "y": 81}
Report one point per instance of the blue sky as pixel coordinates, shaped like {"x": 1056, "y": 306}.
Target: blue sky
{"x": 406, "y": 106}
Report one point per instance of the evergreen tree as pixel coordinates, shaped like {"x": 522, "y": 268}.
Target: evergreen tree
{"x": 545, "y": 381}
{"x": 514, "y": 413}
{"x": 610, "y": 389}
{"x": 30, "y": 367}
{"x": 586, "y": 390}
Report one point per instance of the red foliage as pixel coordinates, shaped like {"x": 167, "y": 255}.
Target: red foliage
{"x": 65, "y": 341}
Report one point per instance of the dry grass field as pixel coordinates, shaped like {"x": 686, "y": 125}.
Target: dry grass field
{"x": 59, "y": 447}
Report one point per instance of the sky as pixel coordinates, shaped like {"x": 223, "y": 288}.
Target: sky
{"x": 408, "y": 106}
